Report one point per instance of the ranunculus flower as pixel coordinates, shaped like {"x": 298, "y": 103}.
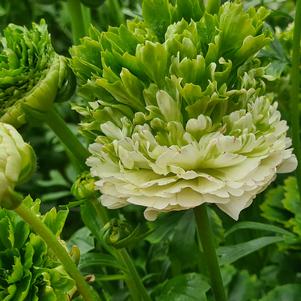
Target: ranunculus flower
{"x": 17, "y": 163}
{"x": 178, "y": 105}
{"x": 31, "y": 73}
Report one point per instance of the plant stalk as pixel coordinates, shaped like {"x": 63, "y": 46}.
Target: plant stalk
{"x": 134, "y": 282}
{"x": 86, "y": 11}
{"x": 115, "y": 10}
{"x": 69, "y": 140}
{"x": 212, "y": 6}
{"x": 77, "y": 20}
{"x": 295, "y": 89}
{"x": 37, "y": 225}
{"x": 206, "y": 237}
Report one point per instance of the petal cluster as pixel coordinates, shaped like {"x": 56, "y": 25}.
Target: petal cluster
{"x": 178, "y": 109}
{"x": 226, "y": 166}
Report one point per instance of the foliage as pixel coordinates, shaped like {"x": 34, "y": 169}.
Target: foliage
{"x": 153, "y": 78}
{"x": 29, "y": 270}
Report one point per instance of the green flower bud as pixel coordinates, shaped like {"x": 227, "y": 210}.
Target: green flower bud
{"x": 84, "y": 187}
{"x": 116, "y": 230}
{"x": 120, "y": 234}
{"x": 31, "y": 73}
{"x": 17, "y": 164}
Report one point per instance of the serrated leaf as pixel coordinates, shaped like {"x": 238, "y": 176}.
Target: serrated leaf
{"x": 157, "y": 15}
{"x": 152, "y": 58}
{"x": 288, "y": 292}
{"x": 187, "y": 287}
{"x": 7, "y": 237}
{"x": 82, "y": 239}
{"x": 189, "y": 9}
{"x": 55, "y": 221}
{"x": 272, "y": 207}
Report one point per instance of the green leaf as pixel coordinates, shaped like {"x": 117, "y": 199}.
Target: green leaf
{"x": 288, "y": 292}
{"x": 187, "y": 287}
{"x": 272, "y": 208}
{"x": 7, "y": 237}
{"x": 183, "y": 250}
{"x": 157, "y": 16}
{"x": 282, "y": 205}
{"x": 21, "y": 233}
{"x": 152, "y": 58}
{"x": 93, "y": 218}
{"x": 56, "y": 179}
{"x": 245, "y": 287}
{"x": 97, "y": 260}
{"x": 230, "y": 254}
{"x": 55, "y": 221}
{"x": 163, "y": 227}
{"x": 257, "y": 226}
{"x": 189, "y": 9}
{"x": 83, "y": 239}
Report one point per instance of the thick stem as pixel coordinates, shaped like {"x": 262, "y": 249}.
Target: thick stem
{"x": 37, "y": 225}
{"x": 72, "y": 144}
{"x": 77, "y": 20}
{"x": 206, "y": 238}
{"x": 295, "y": 88}
{"x": 86, "y": 11}
{"x": 212, "y": 6}
{"x": 134, "y": 283}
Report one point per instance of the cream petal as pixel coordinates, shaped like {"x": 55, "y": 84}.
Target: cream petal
{"x": 288, "y": 165}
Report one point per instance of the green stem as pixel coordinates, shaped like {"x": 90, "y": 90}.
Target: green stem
{"x": 72, "y": 144}
{"x": 295, "y": 78}
{"x": 213, "y": 6}
{"x": 77, "y": 20}
{"x": 86, "y": 11}
{"x": 134, "y": 283}
{"x": 202, "y": 5}
{"x": 133, "y": 280}
{"x": 37, "y": 225}
{"x": 206, "y": 238}
{"x": 115, "y": 10}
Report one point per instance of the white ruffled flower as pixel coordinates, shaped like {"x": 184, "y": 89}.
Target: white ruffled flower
{"x": 179, "y": 109}
{"x": 226, "y": 165}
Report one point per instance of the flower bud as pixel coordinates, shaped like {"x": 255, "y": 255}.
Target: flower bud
{"x": 17, "y": 164}
{"x": 116, "y": 230}
{"x": 31, "y": 73}
{"x": 84, "y": 187}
